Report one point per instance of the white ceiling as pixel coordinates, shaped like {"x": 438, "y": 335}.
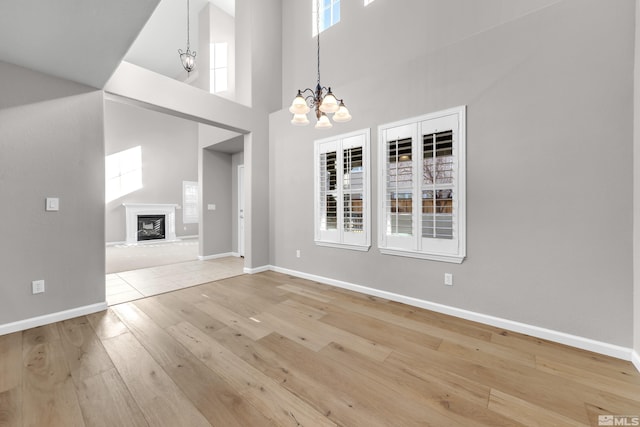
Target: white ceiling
{"x": 156, "y": 48}
{"x": 79, "y": 40}
{"x": 85, "y": 40}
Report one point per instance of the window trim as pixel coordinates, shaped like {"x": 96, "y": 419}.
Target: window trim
{"x": 417, "y": 251}
{"x": 186, "y": 219}
{"x": 214, "y": 66}
{"x": 340, "y": 241}
{"x": 315, "y": 27}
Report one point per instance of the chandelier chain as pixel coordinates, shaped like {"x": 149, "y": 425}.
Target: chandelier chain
{"x": 318, "y": 35}
{"x": 188, "y": 29}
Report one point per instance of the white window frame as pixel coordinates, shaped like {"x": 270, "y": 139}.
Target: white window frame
{"x": 186, "y": 208}
{"x": 341, "y": 238}
{"x": 215, "y": 85}
{"x": 326, "y": 25}
{"x": 414, "y": 245}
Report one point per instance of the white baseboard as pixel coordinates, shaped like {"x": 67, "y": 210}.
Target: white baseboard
{"x": 635, "y": 359}
{"x": 523, "y": 328}
{"x": 59, "y": 316}
{"x": 216, "y": 256}
{"x": 257, "y": 269}
{"x": 189, "y": 237}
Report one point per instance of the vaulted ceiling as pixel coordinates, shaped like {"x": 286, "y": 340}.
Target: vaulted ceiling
{"x": 79, "y": 40}
{"x": 85, "y": 40}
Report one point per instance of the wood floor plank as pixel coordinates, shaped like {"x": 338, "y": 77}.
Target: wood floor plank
{"x": 341, "y": 407}
{"x": 316, "y": 335}
{"x": 234, "y": 320}
{"x": 11, "y": 380}
{"x": 359, "y": 391}
{"x": 586, "y": 360}
{"x": 106, "y": 401}
{"x": 210, "y": 394}
{"x": 159, "y": 398}
{"x": 305, "y": 292}
{"x": 272, "y": 400}
{"x": 454, "y": 398}
{"x": 388, "y": 335}
{"x": 527, "y": 413}
{"x": 84, "y": 352}
{"x": 11, "y": 407}
{"x": 559, "y": 395}
{"x": 596, "y": 380}
{"x": 49, "y": 396}
{"x": 106, "y": 324}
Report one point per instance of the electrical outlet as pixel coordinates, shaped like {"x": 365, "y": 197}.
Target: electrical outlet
{"x": 37, "y": 286}
{"x": 448, "y": 279}
{"x": 298, "y": 253}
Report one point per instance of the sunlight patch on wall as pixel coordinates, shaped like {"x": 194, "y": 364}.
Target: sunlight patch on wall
{"x": 123, "y": 173}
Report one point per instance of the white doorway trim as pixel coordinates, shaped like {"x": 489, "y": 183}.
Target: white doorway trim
{"x": 241, "y": 210}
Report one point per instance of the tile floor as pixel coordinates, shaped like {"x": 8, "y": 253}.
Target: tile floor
{"x": 131, "y": 285}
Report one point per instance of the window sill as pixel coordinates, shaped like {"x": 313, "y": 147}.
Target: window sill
{"x": 361, "y": 248}
{"x": 456, "y": 259}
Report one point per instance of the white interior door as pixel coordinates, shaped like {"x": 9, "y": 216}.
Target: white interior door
{"x": 241, "y": 210}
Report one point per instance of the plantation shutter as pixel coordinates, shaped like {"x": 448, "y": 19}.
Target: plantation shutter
{"x": 342, "y": 191}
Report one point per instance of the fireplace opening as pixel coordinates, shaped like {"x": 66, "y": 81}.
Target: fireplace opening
{"x": 151, "y": 227}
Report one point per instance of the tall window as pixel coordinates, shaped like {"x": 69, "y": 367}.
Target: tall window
{"x": 123, "y": 173}
{"x": 329, "y": 14}
{"x": 422, "y": 209}
{"x": 219, "y": 67}
{"x": 342, "y": 203}
{"x": 190, "y": 202}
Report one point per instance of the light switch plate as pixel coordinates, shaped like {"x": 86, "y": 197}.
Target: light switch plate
{"x": 37, "y": 286}
{"x": 53, "y": 204}
{"x": 211, "y": 207}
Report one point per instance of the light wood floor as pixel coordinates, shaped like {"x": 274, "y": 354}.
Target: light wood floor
{"x": 272, "y": 350}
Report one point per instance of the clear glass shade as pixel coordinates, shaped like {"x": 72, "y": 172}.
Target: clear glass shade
{"x": 188, "y": 59}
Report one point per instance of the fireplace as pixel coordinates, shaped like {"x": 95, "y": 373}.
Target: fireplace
{"x": 146, "y": 222}
{"x": 150, "y": 227}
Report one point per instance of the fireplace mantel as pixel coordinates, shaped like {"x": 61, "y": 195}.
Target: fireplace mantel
{"x": 132, "y": 210}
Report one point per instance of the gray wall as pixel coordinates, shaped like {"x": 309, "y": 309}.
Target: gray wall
{"x": 548, "y": 88}
{"x": 265, "y": 29}
{"x": 51, "y": 145}
{"x": 636, "y": 191}
{"x": 169, "y": 157}
{"x": 216, "y": 189}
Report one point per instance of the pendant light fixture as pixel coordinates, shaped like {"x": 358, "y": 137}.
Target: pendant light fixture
{"x": 187, "y": 58}
{"x": 322, "y": 100}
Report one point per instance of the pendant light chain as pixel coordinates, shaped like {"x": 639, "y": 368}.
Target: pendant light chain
{"x": 318, "y": 35}
{"x": 188, "y": 29}
{"x": 188, "y": 58}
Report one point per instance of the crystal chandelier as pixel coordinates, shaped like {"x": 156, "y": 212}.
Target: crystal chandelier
{"x": 322, "y": 100}
{"x": 187, "y": 58}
